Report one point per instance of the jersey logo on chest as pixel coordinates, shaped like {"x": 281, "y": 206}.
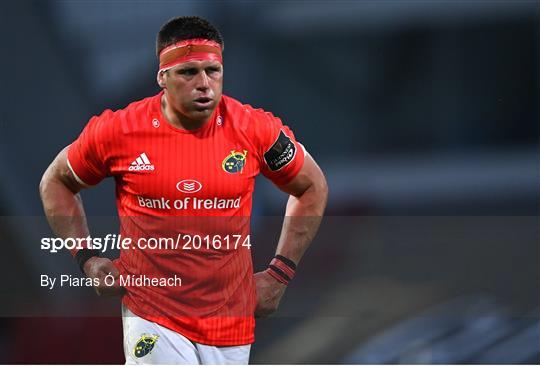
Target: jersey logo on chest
{"x": 234, "y": 162}
{"x": 189, "y": 186}
{"x": 142, "y": 163}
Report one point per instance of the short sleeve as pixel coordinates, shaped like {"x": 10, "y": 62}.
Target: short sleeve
{"x": 86, "y": 155}
{"x": 282, "y": 156}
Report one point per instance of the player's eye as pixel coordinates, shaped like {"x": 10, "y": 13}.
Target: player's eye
{"x": 213, "y": 72}
{"x": 189, "y": 71}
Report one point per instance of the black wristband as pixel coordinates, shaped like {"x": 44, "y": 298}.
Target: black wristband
{"x": 85, "y": 254}
{"x": 280, "y": 272}
{"x": 282, "y": 269}
{"x": 287, "y": 261}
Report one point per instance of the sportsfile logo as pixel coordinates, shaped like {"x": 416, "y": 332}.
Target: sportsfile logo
{"x": 141, "y": 163}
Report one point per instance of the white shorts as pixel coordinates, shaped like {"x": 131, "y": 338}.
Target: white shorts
{"x": 146, "y": 342}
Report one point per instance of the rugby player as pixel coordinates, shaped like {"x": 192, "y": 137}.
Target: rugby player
{"x": 184, "y": 162}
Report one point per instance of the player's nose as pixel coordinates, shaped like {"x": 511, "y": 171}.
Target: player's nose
{"x": 202, "y": 81}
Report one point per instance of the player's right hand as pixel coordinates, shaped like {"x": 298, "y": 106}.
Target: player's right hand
{"x": 97, "y": 267}
{"x": 269, "y": 293}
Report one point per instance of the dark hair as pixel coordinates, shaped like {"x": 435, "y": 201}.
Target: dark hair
{"x": 182, "y": 28}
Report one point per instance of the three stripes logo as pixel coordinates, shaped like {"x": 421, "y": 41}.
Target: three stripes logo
{"x": 141, "y": 163}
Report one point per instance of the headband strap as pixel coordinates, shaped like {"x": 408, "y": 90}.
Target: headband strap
{"x": 189, "y": 50}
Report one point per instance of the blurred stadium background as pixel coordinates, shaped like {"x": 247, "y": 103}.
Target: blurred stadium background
{"x": 423, "y": 115}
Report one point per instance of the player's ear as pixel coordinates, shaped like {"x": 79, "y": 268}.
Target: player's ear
{"x": 161, "y": 79}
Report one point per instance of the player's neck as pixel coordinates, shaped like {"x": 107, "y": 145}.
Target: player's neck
{"x": 177, "y": 119}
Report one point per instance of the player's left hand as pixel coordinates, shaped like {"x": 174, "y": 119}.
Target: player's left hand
{"x": 269, "y": 294}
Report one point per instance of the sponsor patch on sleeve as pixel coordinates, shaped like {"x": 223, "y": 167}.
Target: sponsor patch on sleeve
{"x": 281, "y": 153}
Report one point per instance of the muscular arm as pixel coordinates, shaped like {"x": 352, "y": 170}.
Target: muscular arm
{"x": 308, "y": 196}
{"x": 59, "y": 191}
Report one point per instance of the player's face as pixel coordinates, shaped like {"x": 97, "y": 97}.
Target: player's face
{"x": 194, "y": 88}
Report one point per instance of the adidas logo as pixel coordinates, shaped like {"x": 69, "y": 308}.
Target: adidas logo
{"x": 141, "y": 163}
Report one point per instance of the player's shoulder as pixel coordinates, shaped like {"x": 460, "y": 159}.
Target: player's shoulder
{"x": 135, "y": 116}
{"x": 245, "y": 116}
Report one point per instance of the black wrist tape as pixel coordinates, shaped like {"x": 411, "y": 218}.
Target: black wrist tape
{"x": 282, "y": 269}
{"x": 287, "y": 261}
{"x": 280, "y": 273}
{"x": 85, "y": 254}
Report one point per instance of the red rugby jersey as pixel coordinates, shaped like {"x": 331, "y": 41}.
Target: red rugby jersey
{"x": 193, "y": 187}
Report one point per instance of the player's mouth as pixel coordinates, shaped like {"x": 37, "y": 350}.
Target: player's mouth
{"x": 203, "y": 102}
